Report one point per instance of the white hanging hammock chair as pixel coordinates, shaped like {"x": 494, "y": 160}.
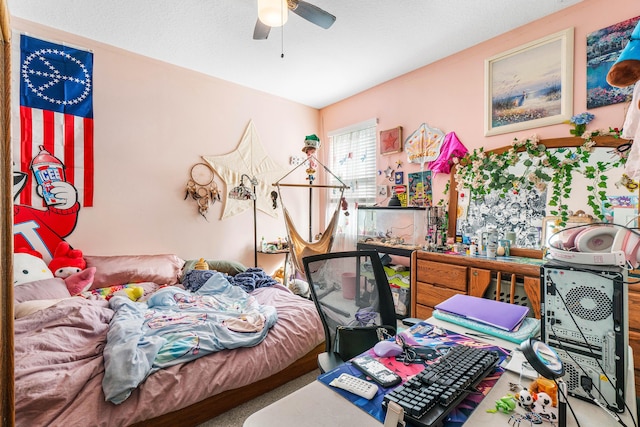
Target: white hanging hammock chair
{"x": 298, "y": 246}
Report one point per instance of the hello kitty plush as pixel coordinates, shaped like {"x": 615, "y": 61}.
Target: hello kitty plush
{"x": 28, "y": 266}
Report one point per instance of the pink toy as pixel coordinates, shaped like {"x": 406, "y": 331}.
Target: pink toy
{"x": 80, "y": 282}
{"x": 28, "y": 266}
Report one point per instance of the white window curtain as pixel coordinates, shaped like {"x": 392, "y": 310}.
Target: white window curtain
{"x": 353, "y": 160}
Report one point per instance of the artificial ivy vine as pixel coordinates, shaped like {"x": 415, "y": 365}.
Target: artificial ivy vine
{"x": 481, "y": 173}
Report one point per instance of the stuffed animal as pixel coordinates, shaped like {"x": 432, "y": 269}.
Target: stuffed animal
{"x": 526, "y": 399}
{"x": 300, "y": 287}
{"x": 66, "y": 261}
{"x": 81, "y": 281}
{"x": 279, "y": 274}
{"x": 134, "y": 293}
{"x": 543, "y": 407}
{"x": 548, "y": 387}
{"x": 201, "y": 265}
{"x": 28, "y": 266}
{"x": 505, "y": 404}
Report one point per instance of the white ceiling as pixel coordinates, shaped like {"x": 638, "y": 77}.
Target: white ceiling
{"x": 372, "y": 41}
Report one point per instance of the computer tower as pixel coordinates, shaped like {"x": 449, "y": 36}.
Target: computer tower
{"x": 585, "y": 319}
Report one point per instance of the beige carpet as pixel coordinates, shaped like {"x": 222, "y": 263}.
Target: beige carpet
{"x": 236, "y": 416}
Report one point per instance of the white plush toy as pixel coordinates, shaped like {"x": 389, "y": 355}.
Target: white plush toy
{"x": 525, "y": 399}
{"x": 29, "y": 267}
{"x": 543, "y": 407}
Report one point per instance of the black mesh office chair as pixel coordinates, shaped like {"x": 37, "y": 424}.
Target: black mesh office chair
{"x": 351, "y": 293}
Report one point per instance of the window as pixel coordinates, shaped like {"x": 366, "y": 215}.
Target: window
{"x": 352, "y": 158}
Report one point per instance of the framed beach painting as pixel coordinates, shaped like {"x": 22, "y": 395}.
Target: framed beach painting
{"x": 530, "y": 86}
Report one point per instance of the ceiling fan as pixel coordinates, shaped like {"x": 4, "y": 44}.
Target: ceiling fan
{"x": 301, "y": 8}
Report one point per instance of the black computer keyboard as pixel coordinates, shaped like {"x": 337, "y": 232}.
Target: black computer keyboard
{"x": 432, "y": 394}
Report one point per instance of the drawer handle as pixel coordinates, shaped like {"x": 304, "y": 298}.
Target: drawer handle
{"x": 475, "y": 273}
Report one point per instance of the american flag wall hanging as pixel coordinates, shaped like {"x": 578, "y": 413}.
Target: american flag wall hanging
{"x": 56, "y": 116}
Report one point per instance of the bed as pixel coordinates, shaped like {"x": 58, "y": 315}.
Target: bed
{"x": 64, "y": 361}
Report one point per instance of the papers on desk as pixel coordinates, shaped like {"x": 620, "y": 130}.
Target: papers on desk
{"x": 516, "y": 362}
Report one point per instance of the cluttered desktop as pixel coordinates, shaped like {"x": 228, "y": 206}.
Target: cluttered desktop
{"x": 423, "y": 373}
{"x": 425, "y": 350}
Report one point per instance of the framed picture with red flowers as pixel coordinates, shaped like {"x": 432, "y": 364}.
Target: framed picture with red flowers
{"x": 391, "y": 140}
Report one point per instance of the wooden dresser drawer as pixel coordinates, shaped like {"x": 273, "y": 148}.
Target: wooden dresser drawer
{"x": 423, "y": 312}
{"x": 437, "y": 273}
{"x": 634, "y": 315}
{"x": 430, "y": 295}
{"x": 634, "y": 339}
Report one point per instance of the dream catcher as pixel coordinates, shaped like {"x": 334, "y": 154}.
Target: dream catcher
{"x": 202, "y": 188}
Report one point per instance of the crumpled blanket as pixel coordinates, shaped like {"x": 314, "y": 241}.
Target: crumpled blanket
{"x": 249, "y": 280}
{"x": 175, "y": 326}
{"x": 252, "y": 279}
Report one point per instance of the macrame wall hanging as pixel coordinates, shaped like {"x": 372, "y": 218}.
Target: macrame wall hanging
{"x": 202, "y": 188}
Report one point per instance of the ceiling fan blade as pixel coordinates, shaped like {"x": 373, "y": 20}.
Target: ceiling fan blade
{"x": 261, "y": 31}
{"x": 312, "y": 13}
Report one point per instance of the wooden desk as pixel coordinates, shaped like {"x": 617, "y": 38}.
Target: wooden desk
{"x": 436, "y": 277}
{"x": 317, "y": 405}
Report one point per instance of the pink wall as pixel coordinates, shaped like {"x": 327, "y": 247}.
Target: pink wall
{"x": 153, "y": 121}
{"x": 449, "y": 94}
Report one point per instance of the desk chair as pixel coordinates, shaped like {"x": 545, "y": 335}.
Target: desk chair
{"x": 353, "y": 298}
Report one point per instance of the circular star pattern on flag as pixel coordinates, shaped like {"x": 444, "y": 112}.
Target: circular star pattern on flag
{"x": 44, "y": 78}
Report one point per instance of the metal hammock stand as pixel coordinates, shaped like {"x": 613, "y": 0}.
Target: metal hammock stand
{"x": 298, "y": 247}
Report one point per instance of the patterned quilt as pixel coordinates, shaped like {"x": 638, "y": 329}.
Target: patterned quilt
{"x": 175, "y": 326}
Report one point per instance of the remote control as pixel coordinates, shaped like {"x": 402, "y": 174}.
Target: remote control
{"x": 376, "y": 371}
{"x": 355, "y": 385}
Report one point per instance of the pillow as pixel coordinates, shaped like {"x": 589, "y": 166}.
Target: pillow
{"x": 119, "y": 270}
{"x": 53, "y": 288}
{"x": 228, "y": 267}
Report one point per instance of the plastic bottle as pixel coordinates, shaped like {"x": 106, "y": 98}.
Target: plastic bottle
{"x": 473, "y": 248}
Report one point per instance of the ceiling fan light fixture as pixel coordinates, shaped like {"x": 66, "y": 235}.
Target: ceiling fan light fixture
{"x": 273, "y": 13}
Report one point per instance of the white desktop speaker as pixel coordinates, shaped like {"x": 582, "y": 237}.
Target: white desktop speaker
{"x": 599, "y": 245}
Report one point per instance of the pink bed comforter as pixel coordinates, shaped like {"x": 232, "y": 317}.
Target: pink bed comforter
{"x": 59, "y": 365}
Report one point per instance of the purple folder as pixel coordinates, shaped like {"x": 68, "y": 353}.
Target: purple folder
{"x": 490, "y": 312}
